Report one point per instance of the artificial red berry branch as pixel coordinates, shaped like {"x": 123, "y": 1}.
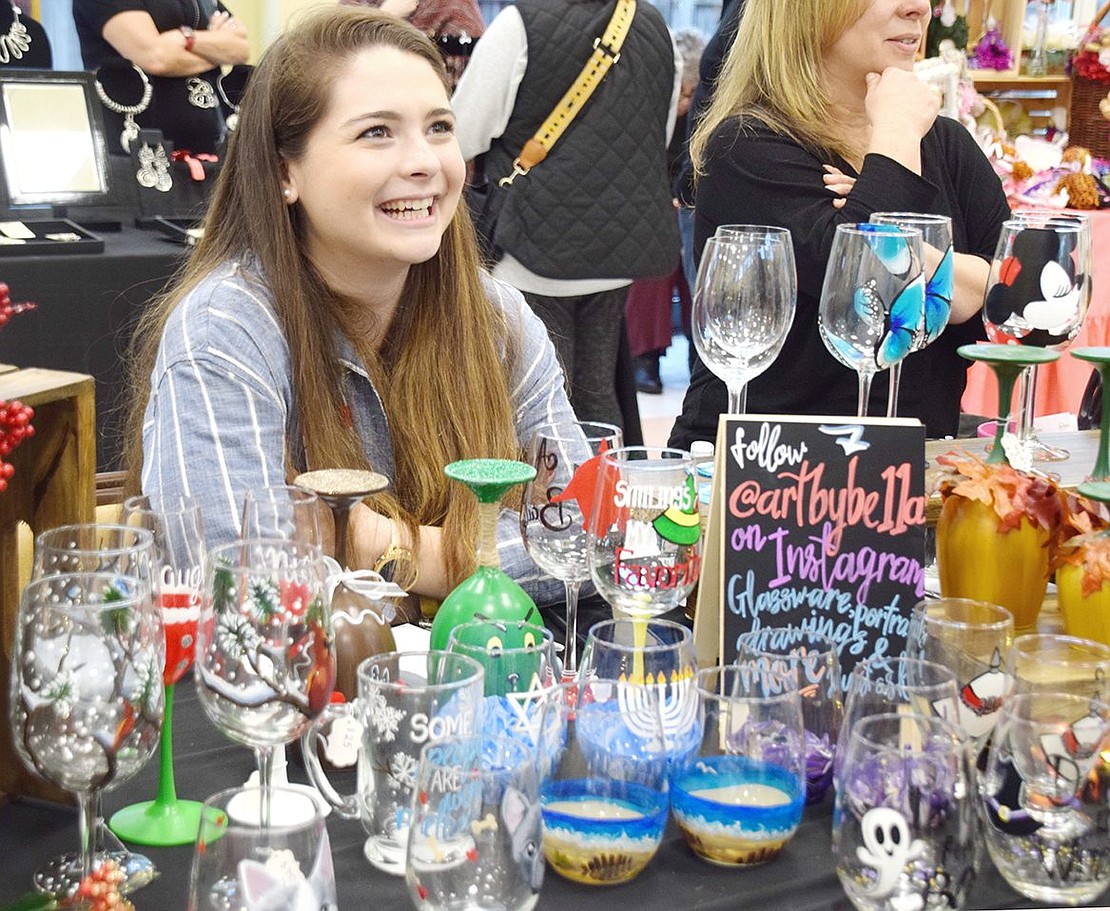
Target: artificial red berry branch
{"x": 15, "y": 417}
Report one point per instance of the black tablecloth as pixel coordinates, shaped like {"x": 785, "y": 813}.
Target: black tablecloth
{"x": 87, "y": 305}
{"x": 801, "y": 878}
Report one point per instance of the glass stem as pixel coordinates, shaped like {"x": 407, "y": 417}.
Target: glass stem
{"x": 341, "y": 513}
{"x": 864, "y": 394}
{"x": 738, "y": 398}
{"x": 167, "y": 788}
{"x": 1102, "y": 459}
{"x": 487, "y": 535}
{"x": 1007, "y": 376}
{"x": 570, "y": 644}
{"x": 1027, "y": 404}
{"x": 892, "y": 392}
{"x": 86, "y": 826}
{"x": 265, "y": 756}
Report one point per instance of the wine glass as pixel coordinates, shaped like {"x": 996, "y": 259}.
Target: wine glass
{"x": 1065, "y": 664}
{"x": 86, "y": 694}
{"x": 904, "y": 828}
{"x": 743, "y": 306}
{"x": 655, "y": 653}
{"x": 1037, "y": 295}
{"x": 813, "y": 659}
{"x": 738, "y": 797}
{"x": 936, "y": 239}
{"x": 900, "y": 685}
{"x": 265, "y": 660}
{"x": 282, "y": 511}
{"x": 1041, "y": 796}
{"x": 644, "y": 538}
{"x": 95, "y": 547}
{"x": 241, "y": 863}
{"x": 340, "y": 489}
{"x": 1100, "y": 357}
{"x": 555, "y": 508}
{"x": 872, "y": 309}
{"x": 605, "y": 801}
{"x": 972, "y": 639}
{"x": 175, "y": 523}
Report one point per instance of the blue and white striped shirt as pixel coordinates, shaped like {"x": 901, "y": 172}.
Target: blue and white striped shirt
{"x": 222, "y": 412}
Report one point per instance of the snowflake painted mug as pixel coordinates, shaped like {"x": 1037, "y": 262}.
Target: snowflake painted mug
{"x": 405, "y": 700}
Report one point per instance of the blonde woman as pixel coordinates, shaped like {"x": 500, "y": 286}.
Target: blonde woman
{"x": 335, "y": 315}
{"x": 818, "y": 120}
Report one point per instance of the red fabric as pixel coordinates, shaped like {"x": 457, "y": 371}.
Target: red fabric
{"x": 647, "y": 311}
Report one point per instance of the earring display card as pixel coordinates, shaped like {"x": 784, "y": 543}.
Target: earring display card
{"x": 55, "y": 236}
{"x": 172, "y": 193}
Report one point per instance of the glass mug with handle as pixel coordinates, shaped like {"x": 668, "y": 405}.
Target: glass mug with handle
{"x": 405, "y": 700}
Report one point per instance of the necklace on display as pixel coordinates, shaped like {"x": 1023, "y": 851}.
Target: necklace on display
{"x": 130, "y": 128}
{"x": 15, "y": 43}
{"x": 232, "y": 119}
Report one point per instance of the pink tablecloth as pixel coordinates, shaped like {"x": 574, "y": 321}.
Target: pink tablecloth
{"x": 1060, "y": 385}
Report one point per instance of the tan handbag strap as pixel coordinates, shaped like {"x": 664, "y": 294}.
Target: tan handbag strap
{"x": 1100, "y": 15}
{"x": 607, "y": 51}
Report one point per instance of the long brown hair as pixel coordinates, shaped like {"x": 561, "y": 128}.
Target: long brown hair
{"x": 773, "y": 73}
{"x": 442, "y": 368}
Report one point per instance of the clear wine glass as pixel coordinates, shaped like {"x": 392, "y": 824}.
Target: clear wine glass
{"x": 555, "y": 508}
{"x": 126, "y": 551}
{"x": 86, "y": 696}
{"x": 744, "y": 301}
{"x": 265, "y": 659}
{"x": 872, "y": 309}
{"x": 179, "y": 553}
{"x": 282, "y": 511}
{"x": 936, "y": 239}
{"x": 1037, "y": 295}
{"x": 644, "y": 540}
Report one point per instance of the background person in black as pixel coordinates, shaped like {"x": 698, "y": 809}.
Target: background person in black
{"x": 809, "y": 84}
{"x": 180, "y": 45}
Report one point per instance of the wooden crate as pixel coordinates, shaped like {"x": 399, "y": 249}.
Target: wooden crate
{"x": 54, "y": 484}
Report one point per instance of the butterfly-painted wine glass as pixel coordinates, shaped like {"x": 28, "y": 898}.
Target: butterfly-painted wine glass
{"x": 1037, "y": 295}
{"x": 744, "y": 301}
{"x": 936, "y": 239}
{"x": 872, "y": 309}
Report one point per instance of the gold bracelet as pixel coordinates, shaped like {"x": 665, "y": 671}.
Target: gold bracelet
{"x": 398, "y": 565}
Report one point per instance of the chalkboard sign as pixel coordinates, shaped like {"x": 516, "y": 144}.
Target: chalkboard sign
{"x": 817, "y": 523}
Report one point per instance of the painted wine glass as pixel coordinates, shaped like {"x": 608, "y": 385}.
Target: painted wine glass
{"x": 644, "y": 540}
{"x": 744, "y": 303}
{"x": 86, "y": 696}
{"x": 555, "y": 508}
{"x": 605, "y": 801}
{"x": 1037, "y": 295}
{"x": 179, "y": 554}
{"x": 813, "y": 659}
{"x": 936, "y": 240}
{"x": 265, "y": 658}
{"x": 872, "y": 310}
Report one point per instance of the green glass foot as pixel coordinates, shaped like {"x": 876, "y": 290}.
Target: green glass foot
{"x": 158, "y": 824}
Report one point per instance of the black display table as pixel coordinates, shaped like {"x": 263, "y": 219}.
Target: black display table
{"x": 802, "y": 878}
{"x": 87, "y": 307}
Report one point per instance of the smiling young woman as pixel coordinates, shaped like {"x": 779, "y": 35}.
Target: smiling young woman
{"x": 335, "y": 314}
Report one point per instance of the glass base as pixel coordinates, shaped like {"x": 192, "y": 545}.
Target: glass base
{"x": 158, "y": 824}
{"x": 386, "y": 854}
{"x": 61, "y": 876}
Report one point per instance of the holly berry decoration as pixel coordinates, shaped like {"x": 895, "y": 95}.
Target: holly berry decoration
{"x": 7, "y": 308}
{"x": 15, "y": 427}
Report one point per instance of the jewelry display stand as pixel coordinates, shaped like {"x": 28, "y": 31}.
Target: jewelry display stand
{"x": 171, "y": 199}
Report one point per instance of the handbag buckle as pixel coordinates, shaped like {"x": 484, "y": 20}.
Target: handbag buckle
{"x": 518, "y": 171}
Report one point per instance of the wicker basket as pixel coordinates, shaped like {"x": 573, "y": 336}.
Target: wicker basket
{"x": 1086, "y": 125}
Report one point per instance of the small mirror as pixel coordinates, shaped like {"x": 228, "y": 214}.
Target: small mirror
{"x": 51, "y": 138}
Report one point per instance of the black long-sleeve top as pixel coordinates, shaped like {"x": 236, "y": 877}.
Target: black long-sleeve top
{"x": 755, "y": 176}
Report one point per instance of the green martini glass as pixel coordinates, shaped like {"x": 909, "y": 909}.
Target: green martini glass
{"x": 1007, "y": 362}
{"x": 488, "y": 593}
{"x": 1100, "y": 357}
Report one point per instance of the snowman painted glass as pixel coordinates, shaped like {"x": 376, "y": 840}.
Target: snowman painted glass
{"x": 1042, "y": 797}
{"x": 903, "y": 824}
